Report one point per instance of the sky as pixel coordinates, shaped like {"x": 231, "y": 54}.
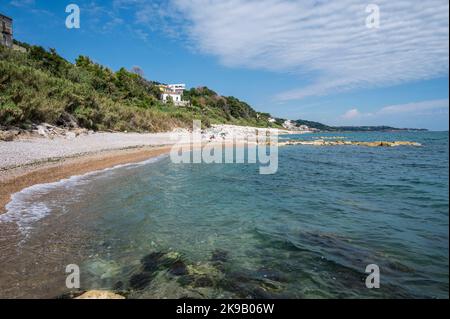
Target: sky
{"x": 327, "y": 61}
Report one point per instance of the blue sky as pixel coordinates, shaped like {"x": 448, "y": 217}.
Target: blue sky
{"x": 314, "y": 60}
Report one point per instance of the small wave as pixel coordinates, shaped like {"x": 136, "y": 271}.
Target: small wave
{"x": 24, "y": 211}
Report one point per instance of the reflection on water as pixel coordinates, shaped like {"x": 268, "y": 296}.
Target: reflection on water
{"x": 162, "y": 230}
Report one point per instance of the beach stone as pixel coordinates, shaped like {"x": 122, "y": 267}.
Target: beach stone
{"x": 99, "y": 294}
{"x": 70, "y": 135}
{"x": 41, "y": 130}
{"x": 8, "y": 136}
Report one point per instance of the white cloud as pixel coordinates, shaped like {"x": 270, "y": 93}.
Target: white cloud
{"x": 436, "y": 107}
{"x": 152, "y": 16}
{"x": 351, "y": 114}
{"x": 323, "y": 40}
{"x": 418, "y": 107}
{"x": 22, "y": 3}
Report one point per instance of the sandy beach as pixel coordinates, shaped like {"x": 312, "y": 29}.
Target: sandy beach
{"x": 16, "y": 179}
{"x": 29, "y": 161}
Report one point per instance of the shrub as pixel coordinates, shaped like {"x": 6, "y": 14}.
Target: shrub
{"x": 41, "y": 86}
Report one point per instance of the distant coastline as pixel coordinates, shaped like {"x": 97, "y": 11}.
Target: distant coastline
{"x": 364, "y": 128}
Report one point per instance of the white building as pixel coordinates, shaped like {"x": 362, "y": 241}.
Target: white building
{"x": 290, "y": 125}
{"x": 173, "y": 92}
{"x": 304, "y": 128}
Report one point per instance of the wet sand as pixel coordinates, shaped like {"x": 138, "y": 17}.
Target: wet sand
{"x": 15, "y": 179}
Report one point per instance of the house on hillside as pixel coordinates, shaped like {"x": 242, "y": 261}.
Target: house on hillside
{"x": 6, "y": 31}
{"x": 173, "y": 92}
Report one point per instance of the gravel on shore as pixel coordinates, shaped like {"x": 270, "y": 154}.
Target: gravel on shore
{"x": 22, "y": 152}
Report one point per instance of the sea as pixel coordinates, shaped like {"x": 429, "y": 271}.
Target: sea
{"x": 333, "y": 222}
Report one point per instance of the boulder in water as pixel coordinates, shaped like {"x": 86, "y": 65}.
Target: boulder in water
{"x": 178, "y": 268}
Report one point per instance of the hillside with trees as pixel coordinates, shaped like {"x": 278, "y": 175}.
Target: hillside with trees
{"x": 327, "y": 128}
{"x": 39, "y": 85}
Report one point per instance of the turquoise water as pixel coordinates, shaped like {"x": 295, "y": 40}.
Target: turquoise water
{"x": 164, "y": 230}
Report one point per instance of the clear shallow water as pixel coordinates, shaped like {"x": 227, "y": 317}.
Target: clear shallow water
{"x": 165, "y": 230}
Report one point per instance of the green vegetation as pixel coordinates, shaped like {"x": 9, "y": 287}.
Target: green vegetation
{"x": 220, "y": 109}
{"x": 381, "y": 128}
{"x": 323, "y": 127}
{"x": 40, "y": 86}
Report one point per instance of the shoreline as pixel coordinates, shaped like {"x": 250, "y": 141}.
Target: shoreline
{"x": 39, "y": 160}
{"x": 18, "y": 178}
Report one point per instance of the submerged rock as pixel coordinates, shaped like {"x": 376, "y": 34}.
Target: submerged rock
{"x": 204, "y": 269}
{"x": 153, "y": 261}
{"x": 249, "y": 289}
{"x": 271, "y": 274}
{"x": 141, "y": 280}
{"x": 262, "y": 284}
{"x": 178, "y": 268}
{"x": 118, "y": 285}
{"x": 171, "y": 261}
{"x": 203, "y": 281}
{"x": 99, "y": 294}
{"x": 156, "y": 263}
{"x": 161, "y": 260}
{"x": 201, "y": 275}
{"x": 219, "y": 255}
{"x": 103, "y": 269}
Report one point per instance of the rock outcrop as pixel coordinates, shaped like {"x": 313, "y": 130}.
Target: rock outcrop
{"x": 99, "y": 294}
{"x": 322, "y": 142}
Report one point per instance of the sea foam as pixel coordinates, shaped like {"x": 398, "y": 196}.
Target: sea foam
{"x": 24, "y": 210}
